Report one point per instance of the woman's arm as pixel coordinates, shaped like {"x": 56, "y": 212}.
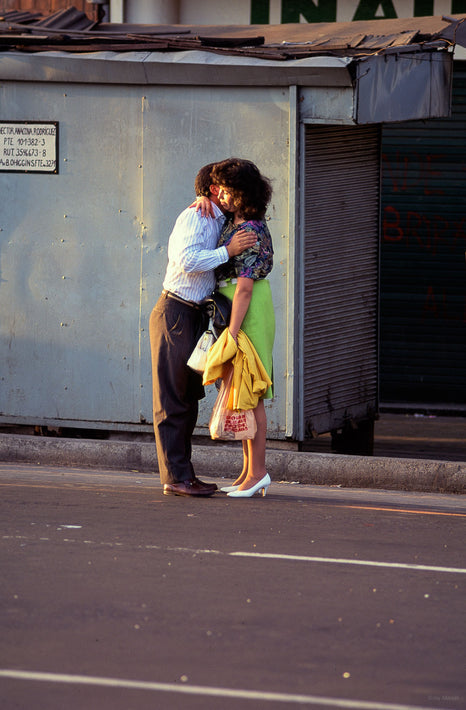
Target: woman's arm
{"x": 241, "y": 301}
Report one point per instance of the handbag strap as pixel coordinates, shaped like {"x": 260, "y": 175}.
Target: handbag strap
{"x": 211, "y": 328}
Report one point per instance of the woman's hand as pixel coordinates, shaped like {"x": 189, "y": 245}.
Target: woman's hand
{"x": 235, "y": 337}
{"x": 204, "y": 206}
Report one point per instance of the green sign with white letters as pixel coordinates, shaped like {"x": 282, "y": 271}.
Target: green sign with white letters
{"x": 327, "y": 10}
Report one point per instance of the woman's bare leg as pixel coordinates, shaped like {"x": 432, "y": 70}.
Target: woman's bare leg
{"x": 244, "y": 471}
{"x": 256, "y": 450}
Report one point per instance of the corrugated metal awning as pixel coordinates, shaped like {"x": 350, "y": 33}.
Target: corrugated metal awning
{"x": 71, "y": 30}
{"x": 360, "y": 57}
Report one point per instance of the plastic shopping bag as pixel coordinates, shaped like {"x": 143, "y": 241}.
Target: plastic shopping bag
{"x": 230, "y": 424}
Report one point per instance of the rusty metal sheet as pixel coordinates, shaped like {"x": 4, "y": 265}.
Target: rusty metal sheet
{"x": 68, "y": 18}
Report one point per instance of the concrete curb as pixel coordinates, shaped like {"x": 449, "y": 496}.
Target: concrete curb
{"x": 222, "y": 460}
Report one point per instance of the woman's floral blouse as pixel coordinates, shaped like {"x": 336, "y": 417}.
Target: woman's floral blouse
{"x": 254, "y": 263}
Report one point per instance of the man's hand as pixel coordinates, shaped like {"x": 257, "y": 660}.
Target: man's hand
{"x": 242, "y": 240}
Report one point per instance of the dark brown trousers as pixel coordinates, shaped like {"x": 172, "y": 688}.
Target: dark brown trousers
{"x": 174, "y": 329}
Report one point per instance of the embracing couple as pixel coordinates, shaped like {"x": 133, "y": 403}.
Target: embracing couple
{"x": 230, "y": 249}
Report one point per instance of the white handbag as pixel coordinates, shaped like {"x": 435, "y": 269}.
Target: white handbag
{"x": 198, "y": 358}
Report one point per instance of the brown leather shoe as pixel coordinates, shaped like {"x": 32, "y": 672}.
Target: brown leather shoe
{"x": 205, "y": 485}
{"x": 189, "y": 488}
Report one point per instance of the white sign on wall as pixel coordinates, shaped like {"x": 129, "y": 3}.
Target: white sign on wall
{"x": 29, "y": 146}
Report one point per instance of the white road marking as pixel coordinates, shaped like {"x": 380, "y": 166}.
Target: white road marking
{"x": 263, "y": 555}
{"x": 205, "y": 691}
{"x": 334, "y": 560}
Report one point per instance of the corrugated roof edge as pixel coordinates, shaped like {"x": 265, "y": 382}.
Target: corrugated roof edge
{"x": 190, "y": 68}
{"x": 64, "y": 31}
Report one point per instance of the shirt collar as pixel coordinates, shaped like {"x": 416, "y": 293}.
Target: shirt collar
{"x": 217, "y": 211}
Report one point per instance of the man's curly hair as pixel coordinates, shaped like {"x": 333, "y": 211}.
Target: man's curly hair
{"x": 250, "y": 190}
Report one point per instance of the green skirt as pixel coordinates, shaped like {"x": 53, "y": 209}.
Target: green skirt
{"x": 259, "y": 323}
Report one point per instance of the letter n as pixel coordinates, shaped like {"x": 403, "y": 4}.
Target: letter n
{"x": 309, "y": 10}
{"x": 260, "y": 12}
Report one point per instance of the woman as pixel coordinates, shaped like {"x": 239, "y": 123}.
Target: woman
{"x": 244, "y": 193}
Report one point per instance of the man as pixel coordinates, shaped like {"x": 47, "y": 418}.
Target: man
{"x": 176, "y": 323}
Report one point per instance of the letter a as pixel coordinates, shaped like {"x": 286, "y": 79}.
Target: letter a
{"x": 375, "y": 10}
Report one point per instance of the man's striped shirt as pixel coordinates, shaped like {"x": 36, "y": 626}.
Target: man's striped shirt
{"x": 193, "y": 254}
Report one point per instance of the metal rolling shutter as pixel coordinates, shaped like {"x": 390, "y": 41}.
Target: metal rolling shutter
{"x": 423, "y": 274}
{"x": 341, "y": 206}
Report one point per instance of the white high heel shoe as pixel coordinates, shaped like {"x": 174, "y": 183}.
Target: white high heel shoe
{"x": 263, "y": 484}
{"x": 229, "y": 489}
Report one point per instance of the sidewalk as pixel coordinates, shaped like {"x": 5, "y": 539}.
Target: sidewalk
{"x": 416, "y": 436}
{"x": 411, "y": 452}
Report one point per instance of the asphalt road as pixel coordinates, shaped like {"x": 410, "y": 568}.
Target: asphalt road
{"x": 116, "y": 597}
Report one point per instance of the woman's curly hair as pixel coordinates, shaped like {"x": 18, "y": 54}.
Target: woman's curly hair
{"x": 250, "y": 190}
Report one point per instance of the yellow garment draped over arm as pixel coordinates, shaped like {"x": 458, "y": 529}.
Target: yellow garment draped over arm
{"x": 250, "y": 379}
